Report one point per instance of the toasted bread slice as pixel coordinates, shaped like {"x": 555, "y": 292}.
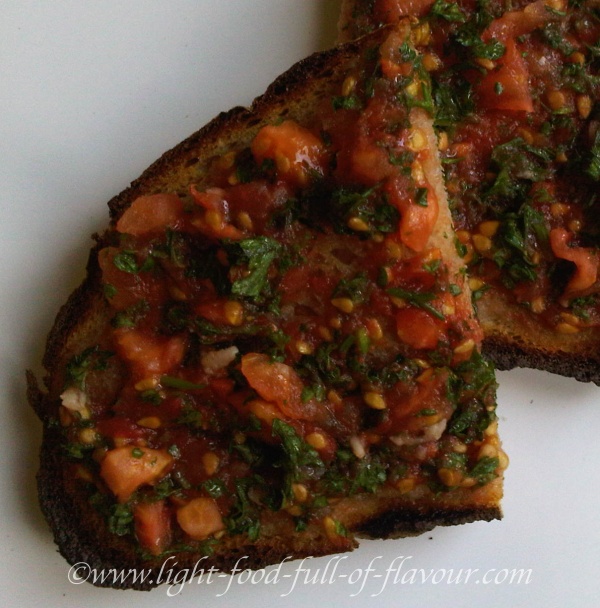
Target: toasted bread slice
{"x": 274, "y": 352}
{"x": 517, "y": 94}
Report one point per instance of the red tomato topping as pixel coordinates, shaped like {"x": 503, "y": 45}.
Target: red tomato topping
{"x": 149, "y": 355}
{"x": 295, "y": 150}
{"x": 418, "y": 328}
{"x": 152, "y": 521}
{"x": 151, "y": 213}
{"x": 127, "y": 468}
{"x": 586, "y": 262}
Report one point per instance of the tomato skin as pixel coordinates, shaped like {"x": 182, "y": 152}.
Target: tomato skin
{"x": 430, "y": 394}
{"x": 277, "y": 383}
{"x": 418, "y": 328}
{"x": 129, "y": 288}
{"x": 149, "y": 355}
{"x": 152, "y": 523}
{"x": 417, "y": 221}
{"x": 507, "y": 86}
{"x": 586, "y": 262}
{"x": 390, "y": 11}
{"x": 126, "y": 468}
{"x": 295, "y": 150}
{"x": 152, "y": 213}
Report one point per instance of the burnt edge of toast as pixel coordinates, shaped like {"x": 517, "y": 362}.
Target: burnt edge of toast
{"x": 83, "y": 545}
{"x": 78, "y": 529}
{"x": 507, "y": 355}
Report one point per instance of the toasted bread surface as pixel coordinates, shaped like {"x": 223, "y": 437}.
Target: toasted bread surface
{"x": 400, "y": 473}
{"x": 539, "y": 236}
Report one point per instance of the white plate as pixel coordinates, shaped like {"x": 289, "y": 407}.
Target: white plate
{"x": 91, "y": 93}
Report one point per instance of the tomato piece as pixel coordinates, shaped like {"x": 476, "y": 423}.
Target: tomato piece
{"x": 276, "y": 383}
{"x": 585, "y": 259}
{"x": 295, "y": 150}
{"x": 149, "y": 355}
{"x": 200, "y": 518}
{"x": 152, "y": 523}
{"x": 151, "y": 213}
{"x": 128, "y": 288}
{"x": 417, "y": 220}
{"x": 418, "y": 328}
{"x": 429, "y": 394}
{"x": 513, "y": 24}
{"x": 507, "y": 86}
{"x": 121, "y": 430}
{"x": 127, "y": 468}
{"x": 215, "y": 221}
{"x": 390, "y": 11}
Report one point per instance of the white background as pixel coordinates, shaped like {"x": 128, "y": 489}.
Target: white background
{"x": 91, "y": 92}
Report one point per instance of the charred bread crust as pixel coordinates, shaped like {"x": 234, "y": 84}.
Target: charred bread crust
{"x": 79, "y": 530}
{"x": 508, "y": 355}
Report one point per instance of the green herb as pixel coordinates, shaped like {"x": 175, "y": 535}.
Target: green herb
{"x": 137, "y": 452}
{"x": 180, "y": 383}
{"x": 120, "y": 521}
{"x": 450, "y": 11}
{"x": 593, "y": 166}
{"x": 299, "y": 454}
{"x": 356, "y": 288}
{"x": 485, "y": 470}
{"x": 132, "y": 315}
{"x": 258, "y": 253}
{"x": 421, "y": 197}
{"x": 91, "y": 359}
{"x": 348, "y": 102}
{"x": 421, "y": 300}
{"x": 215, "y": 488}
{"x": 453, "y": 102}
{"x": 206, "y": 265}
{"x": 126, "y": 262}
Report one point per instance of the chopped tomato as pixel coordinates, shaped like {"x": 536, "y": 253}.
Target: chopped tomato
{"x": 418, "y": 328}
{"x": 513, "y": 24}
{"x": 585, "y": 259}
{"x": 507, "y": 86}
{"x": 295, "y": 150}
{"x": 430, "y": 394}
{"x": 127, "y": 468}
{"x": 200, "y": 518}
{"x": 417, "y": 220}
{"x": 151, "y": 213}
{"x": 152, "y": 522}
{"x": 149, "y": 355}
{"x": 277, "y": 383}
{"x": 128, "y": 288}
{"x": 121, "y": 430}
{"x": 215, "y": 221}
{"x": 392, "y": 63}
{"x": 390, "y": 11}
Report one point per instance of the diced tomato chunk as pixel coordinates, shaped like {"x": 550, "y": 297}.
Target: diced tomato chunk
{"x": 513, "y": 24}
{"x": 200, "y": 518}
{"x": 295, "y": 150}
{"x": 417, "y": 220}
{"x": 586, "y": 262}
{"x": 390, "y": 11}
{"x": 127, "y": 468}
{"x": 149, "y": 355}
{"x": 418, "y": 328}
{"x": 152, "y": 522}
{"x": 151, "y": 213}
{"x": 277, "y": 383}
{"x": 429, "y": 394}
{"x": 507, "y": 87}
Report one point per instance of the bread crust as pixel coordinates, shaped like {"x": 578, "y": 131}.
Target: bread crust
{"x": 79, "y": 531}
